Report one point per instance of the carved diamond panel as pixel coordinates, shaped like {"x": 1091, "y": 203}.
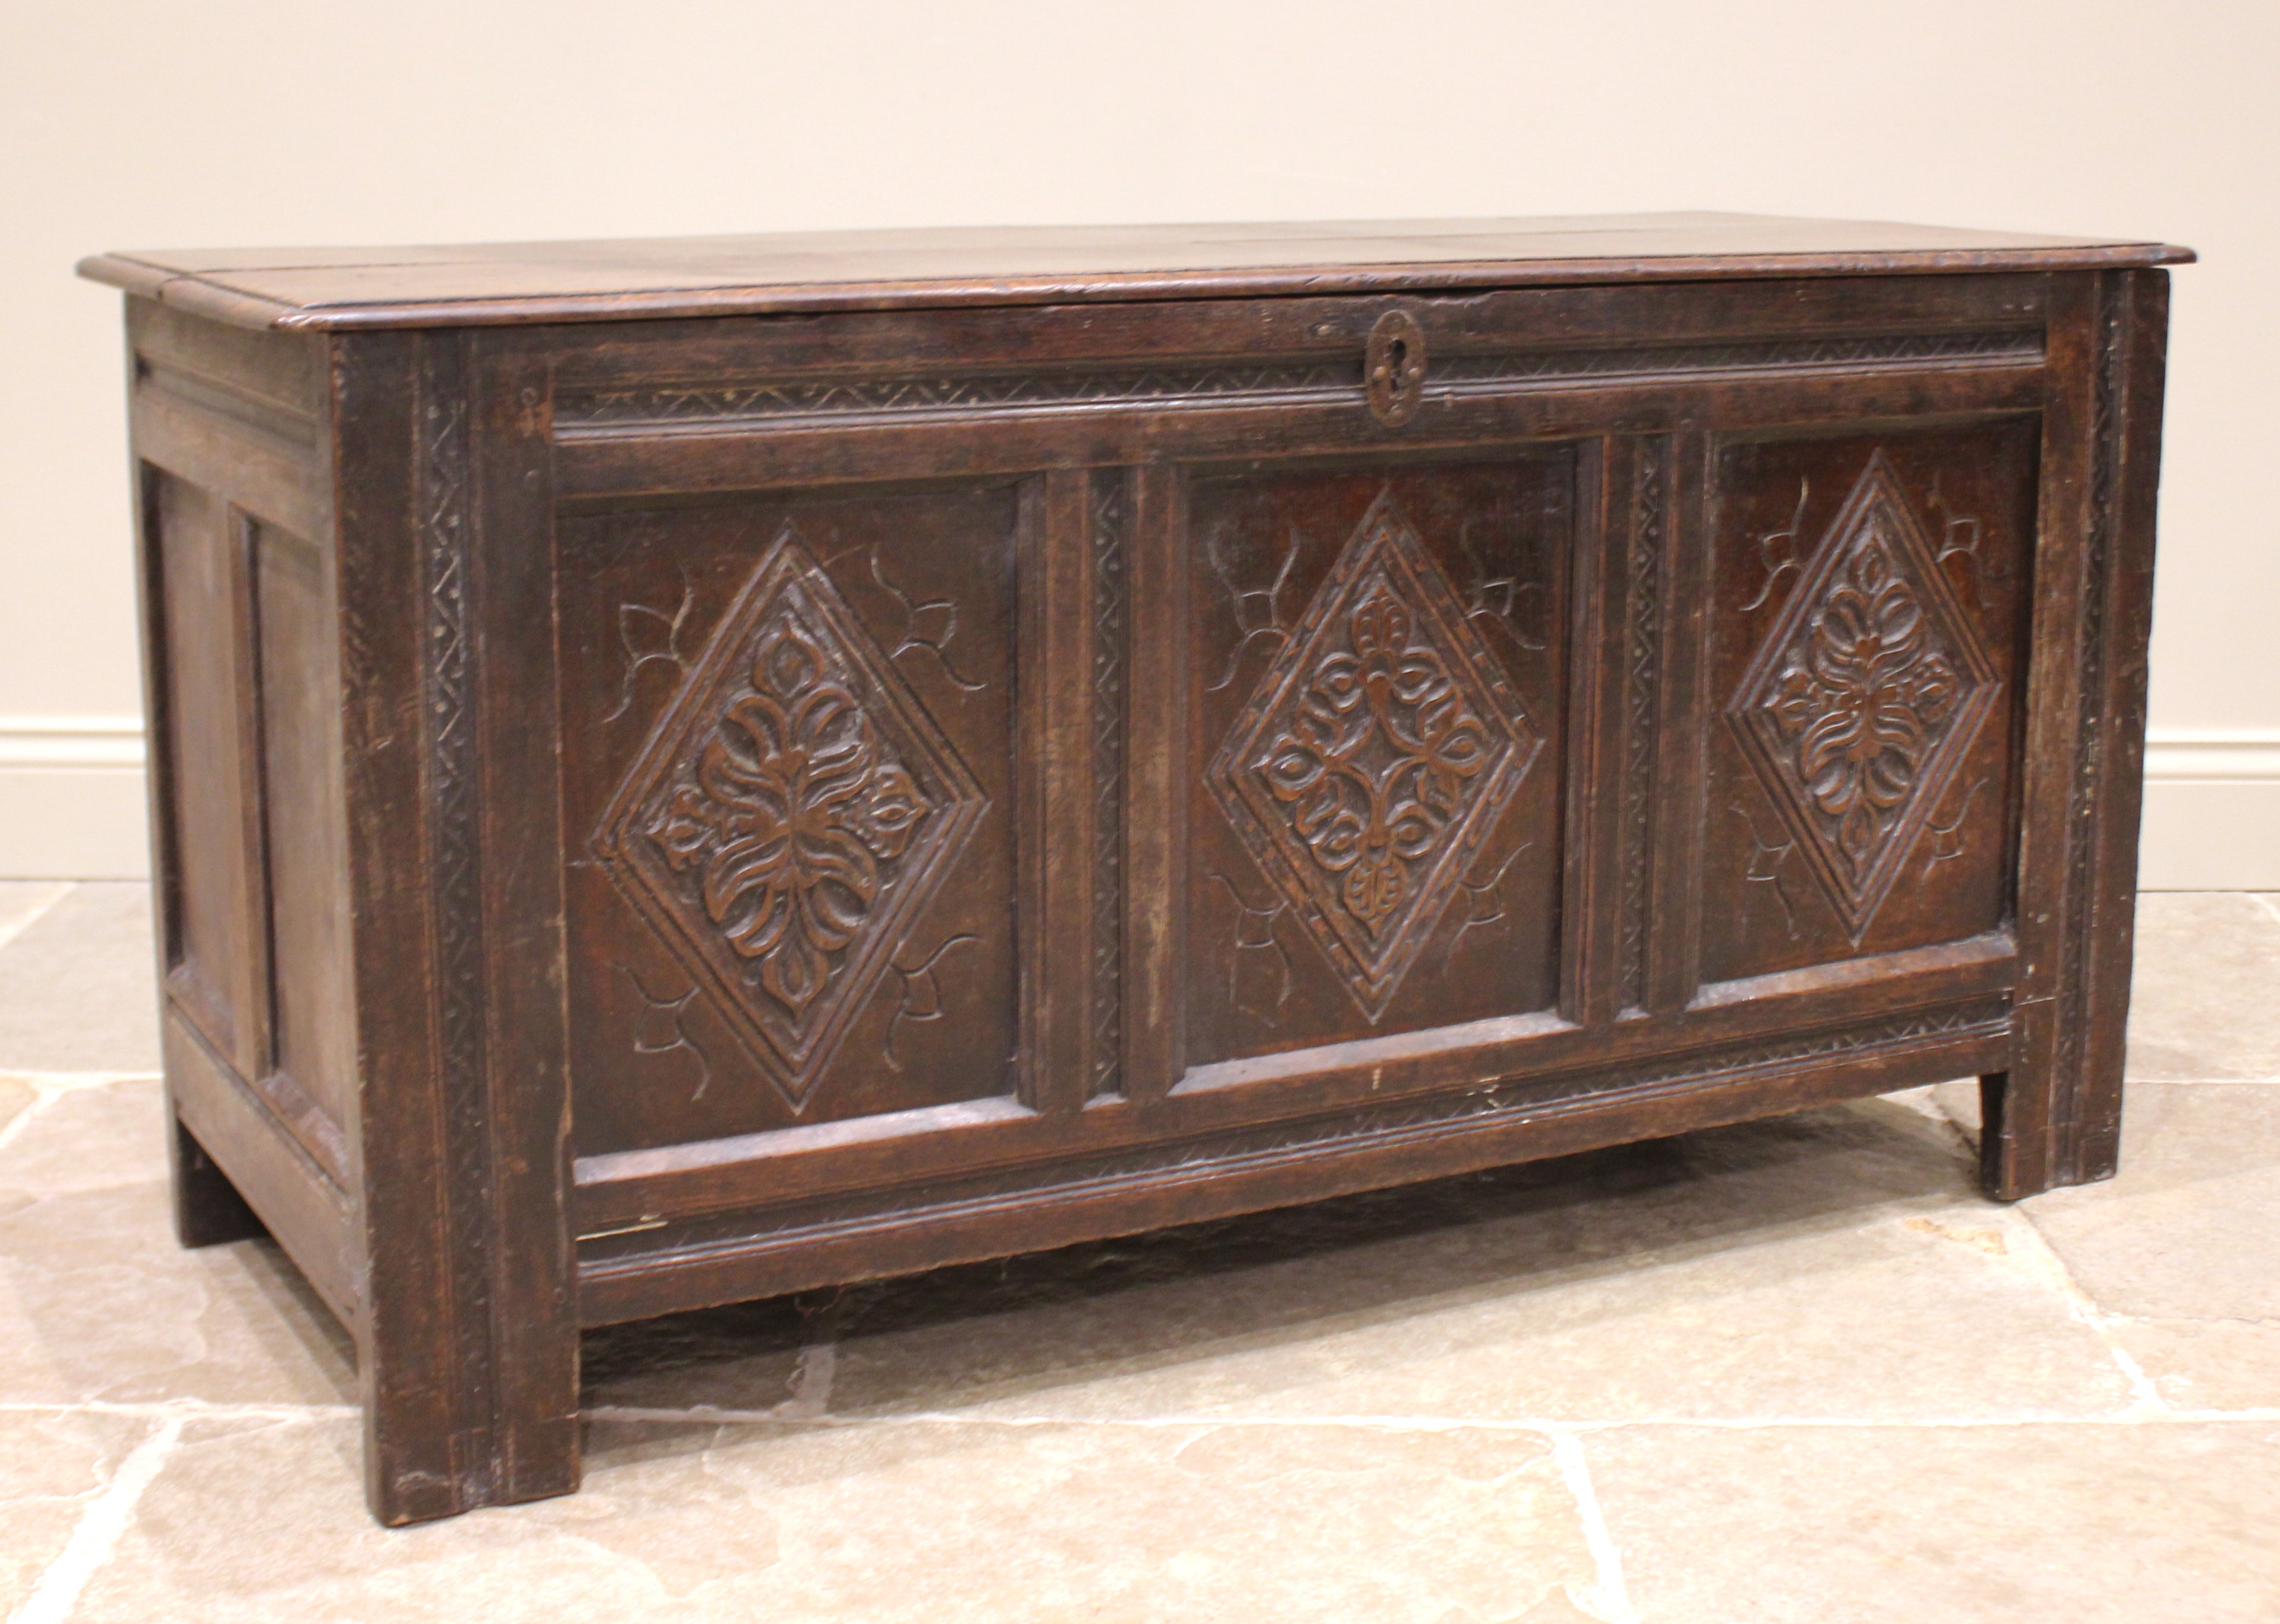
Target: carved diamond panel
{"x": 1865, "y": 696}
{"x": 1374, "y": 757}
{"x": 791, "y": 814}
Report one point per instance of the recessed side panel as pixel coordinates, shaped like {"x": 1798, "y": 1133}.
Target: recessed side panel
{"x": 787, "y": 772}
{"x": 1374, "y": 739}
{"x": 315, "y": 1056}
{"x": 216, "y": 949}
{"x": 251, "y": 820}
{"x": 1867, "y": 679}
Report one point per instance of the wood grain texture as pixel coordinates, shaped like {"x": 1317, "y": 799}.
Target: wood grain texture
{"x": 309, "y": 1215}
{"x": 1870, "y": 621}
{"x": 852, "y": 661}
{"x": 658, "y": 812}
{"x": 345, "y": 288}
{"x": 2059, "y": 1122}
{"x": 1373, "y": 680}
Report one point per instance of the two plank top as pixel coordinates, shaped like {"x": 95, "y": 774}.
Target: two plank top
{"x": 497, "y": 283}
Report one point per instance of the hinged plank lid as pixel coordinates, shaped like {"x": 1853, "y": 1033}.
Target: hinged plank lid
{"x": 489, "y": 284}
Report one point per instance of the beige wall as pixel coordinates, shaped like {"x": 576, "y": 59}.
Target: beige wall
{"x": 234, "y": 122}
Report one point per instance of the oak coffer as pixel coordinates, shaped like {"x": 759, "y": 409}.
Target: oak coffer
{"x": 691, "y": 770}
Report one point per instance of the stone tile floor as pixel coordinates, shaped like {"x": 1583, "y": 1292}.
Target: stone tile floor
{"x": 1795, "y": 1370}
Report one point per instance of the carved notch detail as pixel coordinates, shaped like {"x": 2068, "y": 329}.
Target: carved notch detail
{"x": 793, "y": 812}
{"x": 1374, "y": 757}
{"x": 1865, "y": 697}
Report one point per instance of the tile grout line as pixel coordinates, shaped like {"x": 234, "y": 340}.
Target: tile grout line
{"x": 49, "y": 1087}
{"x": 17, "y": 1126}
{"x": 710, "y": 1416}
{"x": 67, "y": 1082}
{"x": 182, "y": 1410}
{"x": 2200, "y": 1082}
{"x": 2147, "y": 1400}
{"x": 1607, "y": 1599}
{"x": 2082, "y": 1308}
{"x": 9, "y": 933}
{"x": 100, "y": 1526}
{"x": 794, "y": 1410}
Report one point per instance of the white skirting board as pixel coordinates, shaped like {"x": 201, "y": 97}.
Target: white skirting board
{"x": 71, "y": 799}
{"x": 70, "y": 804}
{"x": 2212, "y": 812}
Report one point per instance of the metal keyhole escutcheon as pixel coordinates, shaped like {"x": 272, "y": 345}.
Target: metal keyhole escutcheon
{"x": 1393, "y": 366}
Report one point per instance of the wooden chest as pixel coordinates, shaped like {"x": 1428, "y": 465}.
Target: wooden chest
{"x": 687, "y": 771}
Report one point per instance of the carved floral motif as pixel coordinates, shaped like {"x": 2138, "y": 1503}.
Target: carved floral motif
{"x": 797, "y": 816}
{"x": 1864, "y": 701}
{"x": 1373, "y": 757}
{"x": 1865, "y": 697}
{"x": 1374, "y": 763}
{"x": 793, "y": 811}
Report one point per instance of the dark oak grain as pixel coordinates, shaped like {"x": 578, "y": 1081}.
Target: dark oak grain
{"x": 343, "y": 288}
{"x": 701, "y": 770}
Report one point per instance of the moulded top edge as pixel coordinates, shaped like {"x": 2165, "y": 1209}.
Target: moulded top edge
{"x": 500, "y": 284}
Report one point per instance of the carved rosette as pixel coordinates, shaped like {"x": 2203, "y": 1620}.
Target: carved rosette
{"x": 793, "y": 811}
{"x": 1865, "y": 696}
{"x": 1373, "y": 757}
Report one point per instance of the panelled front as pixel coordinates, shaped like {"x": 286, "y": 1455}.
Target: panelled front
{"x": 1118, "y": 730}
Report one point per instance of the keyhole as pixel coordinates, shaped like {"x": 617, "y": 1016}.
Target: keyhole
{"x": 1396, "y": 368}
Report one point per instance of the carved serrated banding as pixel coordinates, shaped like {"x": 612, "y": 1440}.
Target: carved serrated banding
{"x": 662, "y": 407}
{"x": 1108, "y": 684}
{"x": 453, "y": 772}
{"x": 1642, "y": 665}
{"x": 1457, "y": 374}
{"x": 1374, "y": 757}
{"x": 836, "y": 398}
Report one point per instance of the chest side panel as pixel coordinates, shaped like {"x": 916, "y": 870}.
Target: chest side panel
{"x": 235, "y": 477}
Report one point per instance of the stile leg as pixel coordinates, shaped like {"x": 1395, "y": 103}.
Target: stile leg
{"x": 2015, "y": 1161}
{"x": 2027, "y": 1147}
{"x": 2054, "y": 1118}
{"x": 470, "y": 1380}
{"x": 468, "y": 1339}
{"x": 441, "y": 1437}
